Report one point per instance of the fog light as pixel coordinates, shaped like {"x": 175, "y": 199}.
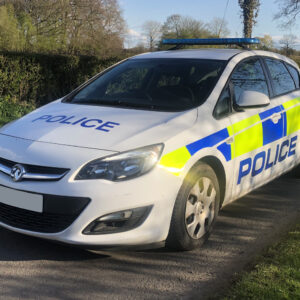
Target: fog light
{"x": 118, "y": 221}
{"x": 118, "y": 216}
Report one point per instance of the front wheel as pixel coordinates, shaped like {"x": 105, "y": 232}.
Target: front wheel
{"x": 195, "y": 210}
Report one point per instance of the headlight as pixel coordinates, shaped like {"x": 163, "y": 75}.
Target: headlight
{"x": 122, "y": 166}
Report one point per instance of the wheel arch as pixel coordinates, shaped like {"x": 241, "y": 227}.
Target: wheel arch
{"x": 218, "y": 168}
{"x": 178, "y": 236}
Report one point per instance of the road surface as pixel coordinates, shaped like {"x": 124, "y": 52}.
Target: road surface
{"x": 35, "y": 269}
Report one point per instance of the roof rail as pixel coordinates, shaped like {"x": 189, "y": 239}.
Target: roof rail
{"x": 241, "y": 42}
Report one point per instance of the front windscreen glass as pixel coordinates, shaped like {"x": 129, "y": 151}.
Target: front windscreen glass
{"x": 154, "y": 84}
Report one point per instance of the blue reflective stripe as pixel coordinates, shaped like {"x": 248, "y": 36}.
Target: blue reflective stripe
{"x": 225, "y": 149}
{"x": 265, "y": 114}
{"x": 208, "y": 141}
{"x": 284, "y": 120}
{"x": 271, "y": 131}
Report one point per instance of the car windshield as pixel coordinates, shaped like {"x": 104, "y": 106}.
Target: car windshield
{"x": 153, "y": 84}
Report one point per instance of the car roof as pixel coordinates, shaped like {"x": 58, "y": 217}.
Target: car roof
{"x": 210, "y": 53}
{"x": 217, "y": 54}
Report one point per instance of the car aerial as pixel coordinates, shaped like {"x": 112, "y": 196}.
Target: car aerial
{"x": 147, "y": 152}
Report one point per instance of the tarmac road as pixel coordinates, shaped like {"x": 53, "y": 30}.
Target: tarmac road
{"x": 35, "y": 269}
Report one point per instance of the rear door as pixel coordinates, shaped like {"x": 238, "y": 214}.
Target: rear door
{"x": 285, "y": 85}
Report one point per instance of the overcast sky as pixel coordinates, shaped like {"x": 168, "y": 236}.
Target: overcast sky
{"x": 136, "y": 12}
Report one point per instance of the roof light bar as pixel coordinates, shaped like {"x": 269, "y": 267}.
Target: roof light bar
{"x": 227, "y": 41}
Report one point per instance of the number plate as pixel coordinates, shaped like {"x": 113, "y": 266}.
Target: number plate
{"x": 24, "y": 200}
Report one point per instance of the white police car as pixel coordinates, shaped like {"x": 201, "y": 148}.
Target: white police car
{"x": 148, "y": 151}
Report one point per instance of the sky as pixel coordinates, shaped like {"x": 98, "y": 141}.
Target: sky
{"x": 136, "y": 12}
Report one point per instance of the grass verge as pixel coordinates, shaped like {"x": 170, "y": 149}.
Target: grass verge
{"x": 276, "y": 274}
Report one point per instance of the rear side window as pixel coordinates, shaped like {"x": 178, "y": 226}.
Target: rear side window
{"x": 249, "y": 76}
{"x": 295, "y": 75}
{"x": 282, "y": 80}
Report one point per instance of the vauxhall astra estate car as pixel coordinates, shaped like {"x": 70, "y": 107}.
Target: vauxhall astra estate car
{"x": 148, "y": 151}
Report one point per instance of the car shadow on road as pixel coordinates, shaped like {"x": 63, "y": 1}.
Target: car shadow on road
{"x": 243, "y": 230}
{"x": 18, "y": 247}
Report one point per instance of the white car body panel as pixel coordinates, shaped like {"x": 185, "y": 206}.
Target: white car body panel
{"x": 144, "y": 126}
{"x": 218, "y": 54}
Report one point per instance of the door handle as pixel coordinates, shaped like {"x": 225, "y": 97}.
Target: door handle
{"x": 276, "y": 117}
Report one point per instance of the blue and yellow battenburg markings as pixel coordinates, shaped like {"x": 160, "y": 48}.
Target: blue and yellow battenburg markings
{"x": 249, "y": 134}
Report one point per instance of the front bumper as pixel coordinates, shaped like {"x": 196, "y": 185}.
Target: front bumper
{"x": 158, "y": 189}
{"x": 58, "y": 214}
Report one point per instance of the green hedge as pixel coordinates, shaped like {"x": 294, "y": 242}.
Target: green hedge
{"x": 296, "y": 59}
{"x": 10, "y": 109}
{"x": 36, "y": 79}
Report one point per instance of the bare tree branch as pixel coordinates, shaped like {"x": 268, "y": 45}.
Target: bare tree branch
{"x": 152, "y": 31}
{"x": 288, "y": 12}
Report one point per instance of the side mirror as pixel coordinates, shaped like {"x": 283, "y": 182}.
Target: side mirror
{"x": 251, "y": 99}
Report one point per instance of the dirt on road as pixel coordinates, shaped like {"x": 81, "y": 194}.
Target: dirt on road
{"x": 35, "y": 269}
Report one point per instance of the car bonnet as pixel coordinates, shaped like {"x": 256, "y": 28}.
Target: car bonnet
{"x": 99, "y": 127}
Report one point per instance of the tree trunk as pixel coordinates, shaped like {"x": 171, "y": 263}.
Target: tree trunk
{"x": 249, "y": 14}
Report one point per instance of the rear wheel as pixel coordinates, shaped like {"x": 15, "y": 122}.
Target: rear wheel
{"x": 195, "y": 210}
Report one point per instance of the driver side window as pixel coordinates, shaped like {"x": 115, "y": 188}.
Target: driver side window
{"x": 249, "y": 76}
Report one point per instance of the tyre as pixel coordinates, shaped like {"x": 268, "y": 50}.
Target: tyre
{"x": 196, "y": 209}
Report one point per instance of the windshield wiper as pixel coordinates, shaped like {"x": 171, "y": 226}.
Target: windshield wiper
{"x": 90, "y": 101}
{"x": 116, "y": 103}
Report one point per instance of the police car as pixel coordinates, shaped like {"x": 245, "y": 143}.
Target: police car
{"x": 148, "y": 151}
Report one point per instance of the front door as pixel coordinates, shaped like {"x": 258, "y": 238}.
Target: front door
{"x": 256, "y": 132}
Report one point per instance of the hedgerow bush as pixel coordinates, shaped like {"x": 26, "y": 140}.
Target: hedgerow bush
{"x": 10, "y": 109}
{"x": 296, "y": 59}
{"x": 37, "y": 79}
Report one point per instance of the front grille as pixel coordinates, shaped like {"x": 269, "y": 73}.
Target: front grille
{"x": 33, "y": 172}
{"x": 33, "y": 221}
{"x": 59, "y": 213}
{"x": 34, "y": 168}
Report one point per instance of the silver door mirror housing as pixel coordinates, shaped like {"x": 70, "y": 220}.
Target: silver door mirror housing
{"x": 252, "y": 99}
